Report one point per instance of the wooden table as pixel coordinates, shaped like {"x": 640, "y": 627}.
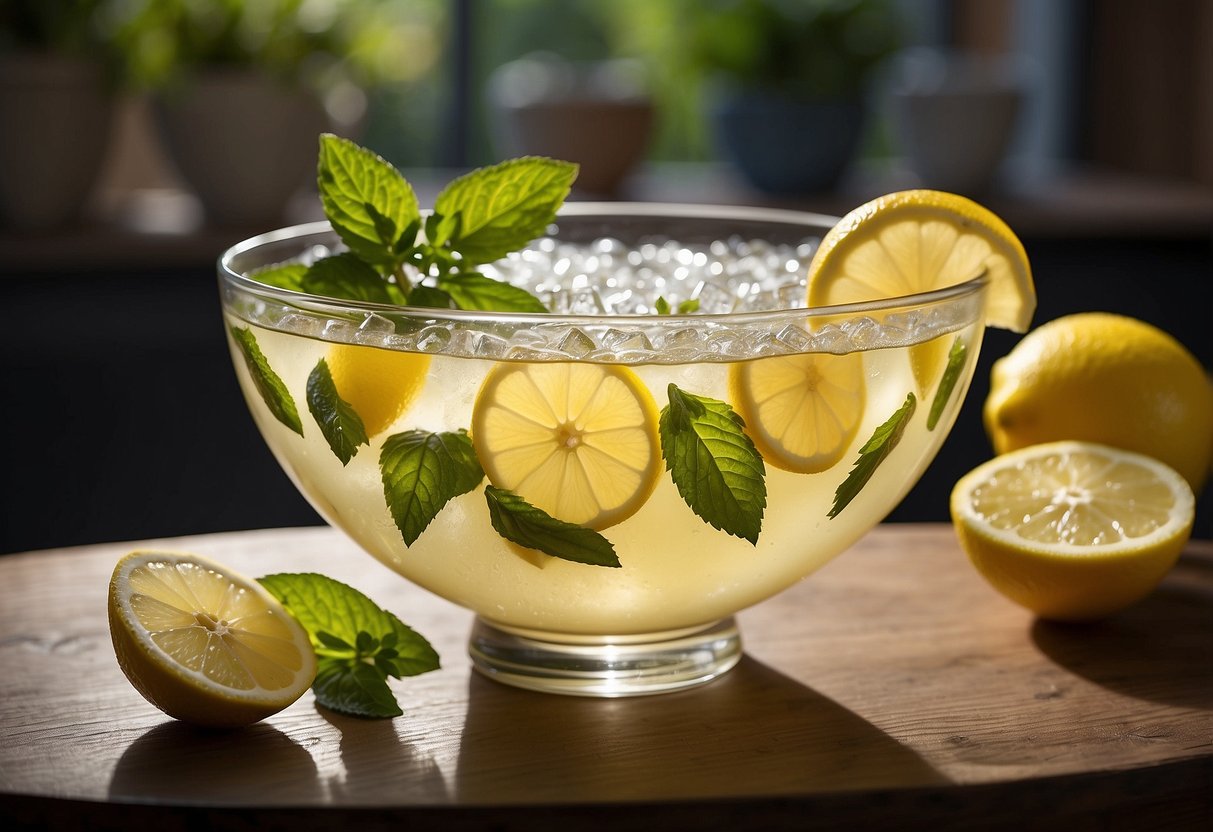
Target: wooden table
{"x": 894, "y": 689}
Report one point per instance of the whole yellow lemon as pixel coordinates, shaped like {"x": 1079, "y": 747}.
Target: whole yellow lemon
{"x": 1111, "y": 379}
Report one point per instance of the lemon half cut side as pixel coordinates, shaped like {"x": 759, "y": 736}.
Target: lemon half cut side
{"x": 578, "y": 441}
{"x": 203, "y": 643}
{"x": 1073, "y": 530}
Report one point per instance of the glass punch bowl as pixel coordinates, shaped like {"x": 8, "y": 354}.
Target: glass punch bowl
{"x": 606, "y": 484}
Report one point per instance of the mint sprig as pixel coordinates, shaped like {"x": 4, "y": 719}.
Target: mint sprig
{"x": 358, "y": 645}
{"x": 340, "y": 424}
{"x": 282, "y": 275}
{"x": 520, "y": 522}
{"x": 422, "y": 472}
{"x": 397, "y": 257}
{"x": 369, "y": 204}
{"x": 951, "y": 373}
{"x": 715, "y": 466}
{"x": 875, "y": 450}
{"x": 346, "y": 276}
{"x": 268, "y": 383}
{"x": 471, "y": 290}
{"x": 503, "y": 207}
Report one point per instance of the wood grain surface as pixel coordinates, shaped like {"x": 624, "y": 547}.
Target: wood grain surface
{"x": 893, "y": 689}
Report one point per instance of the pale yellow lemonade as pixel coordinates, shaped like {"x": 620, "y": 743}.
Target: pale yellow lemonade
{"x": 676, "y": 571}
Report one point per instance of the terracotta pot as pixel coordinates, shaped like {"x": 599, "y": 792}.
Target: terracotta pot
{"x": 56, "y": 115}
{"x": 244, "y": 143}
{"x": 594, "y": 114}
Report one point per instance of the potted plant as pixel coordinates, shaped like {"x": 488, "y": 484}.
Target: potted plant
{"x": 788, "y": 83}
{"x": 56, "y": 105}
{"x": 241, "y": 89}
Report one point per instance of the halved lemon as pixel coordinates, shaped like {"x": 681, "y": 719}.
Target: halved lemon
{"x": 203, "y": 643}
{"x": 379, "y": 384}
{"x": 917, "y": 241}
{"x": 801, "y": 411}
{"x": 578, "y": 441}
{"x": 1073, "y": 530}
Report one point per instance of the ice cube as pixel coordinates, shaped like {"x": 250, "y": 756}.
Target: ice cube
{"x": 621, "y": 339}
{"x": 374, "y": 328}
{"x": 433, "y": 338}
{"x": 577, "y": 343}
{"x": 795, "y": 338}
{"x": 715, "y": 300}
{"x": 487, "y": 345}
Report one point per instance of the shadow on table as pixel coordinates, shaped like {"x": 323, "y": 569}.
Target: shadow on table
{"x": 178, "y": 763}
{"x": 753, "y": 732}
{"x": 371, "y": 748}
{"x": 1160, "y": 649}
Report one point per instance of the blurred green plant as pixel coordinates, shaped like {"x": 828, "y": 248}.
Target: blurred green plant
{"x": 800, "y": 48}
{"x": 312, "y": 42}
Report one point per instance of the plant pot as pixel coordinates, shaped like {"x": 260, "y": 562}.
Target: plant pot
{"x": 955, "y": 116}
{"x": 56, "y": 114}
{"x": 788, "y": 146}
{"x": 595, "y": 115}
{"x": 245, "y": 143}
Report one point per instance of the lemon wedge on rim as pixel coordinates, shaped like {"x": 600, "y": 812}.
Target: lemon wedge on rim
{"x": 920, "y": 240}
{"x": 801, "y": 411}
{"x": 203, "y": 643}
{"x": 916, "y": 241}
{"x": 578, "y": 441}
{"x": 379, "y": 384}
{"x": 1073, "y": 530}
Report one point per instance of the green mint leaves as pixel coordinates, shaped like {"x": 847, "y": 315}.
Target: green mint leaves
{"x": 339, "y": 422}
{"x": 884, "y": 440}
{"x": 422, "y": 472}
{"x": 398, "y": 257}
{"x": 520, "y": 522}
{"x": 956, "y": 362}
{"x": 713, "y": 463}
{"x": 358, "y": 645}
{"x": 368, "y": 203}
{"x": 503, "y": 207}
{"x": 268, "y": 383}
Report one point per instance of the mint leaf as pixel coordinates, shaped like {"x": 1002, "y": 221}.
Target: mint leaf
{"x": 339, "y": 422}
{"x": 475, "y": 291}
{"x": 715, "y": 466}
{"x": 357, "y": 690}
{"x": 283, "y": 275}
{"x": 271, "y": 387}
{"x": 367, "y": 201}
{"x": 686, "y": 307}
{"x": 423, "y": 471}
{"x": 345, "y": 276}
{"x": 517, "y": 520}
{"x": 439, "y": 229}
{"x": 884, "y": 440}
{"x": 661, "y": 306}
{"x": 431, "y": 298}
{"x": 956, "y": 361}
{"x": 505, "y": 206}
{"x": 358, "y": 644}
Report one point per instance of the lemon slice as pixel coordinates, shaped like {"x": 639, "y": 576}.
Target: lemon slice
{"x": 1073, "y": 530}
{"x": 801, "y": 411}
{"x": 578, "y": 441}
{"x": 204, "y": 644}
{"x": 917, "y": 241}
{"x": 379, "y": 384}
